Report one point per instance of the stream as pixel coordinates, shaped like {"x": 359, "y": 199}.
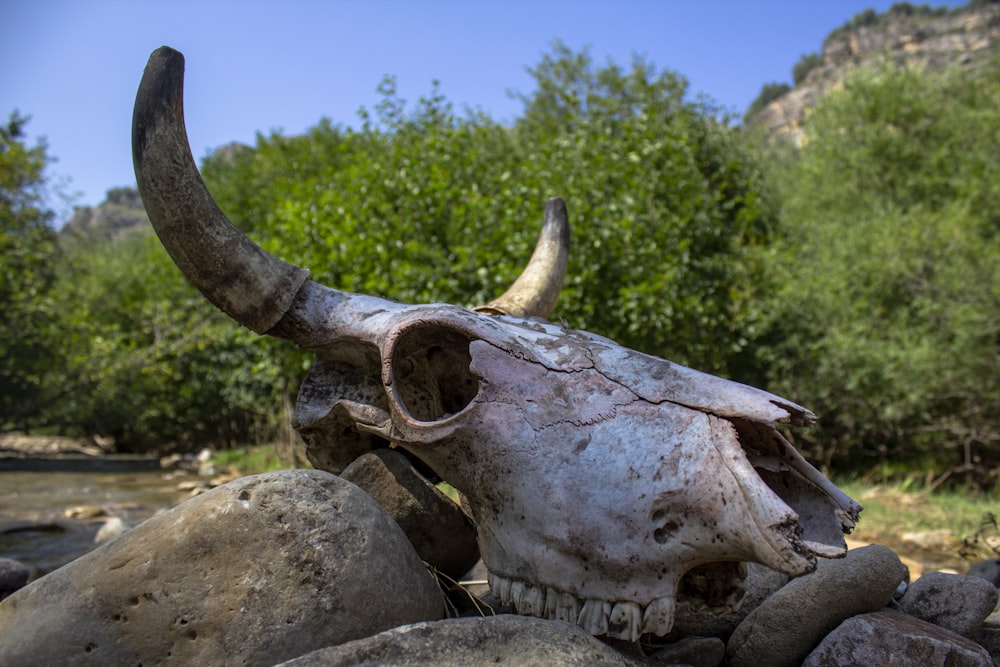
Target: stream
{"x": 48, "y": 518}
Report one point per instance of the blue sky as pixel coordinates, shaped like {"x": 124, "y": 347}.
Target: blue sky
{"x": 74, "y": 65}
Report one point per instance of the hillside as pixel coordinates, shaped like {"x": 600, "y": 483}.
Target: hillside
{"x": 922, "y": 36}
{"x": 120, "y": 214}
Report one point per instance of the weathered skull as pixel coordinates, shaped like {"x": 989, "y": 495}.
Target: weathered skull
{"x": 598, "y": 476}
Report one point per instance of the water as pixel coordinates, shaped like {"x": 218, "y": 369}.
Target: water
{"x": 35, "y": 528}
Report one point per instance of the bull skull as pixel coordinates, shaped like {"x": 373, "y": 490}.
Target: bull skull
{"x": 598, "y": 476}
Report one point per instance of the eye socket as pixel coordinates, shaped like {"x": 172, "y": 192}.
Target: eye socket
{"x": 431, "y": 373}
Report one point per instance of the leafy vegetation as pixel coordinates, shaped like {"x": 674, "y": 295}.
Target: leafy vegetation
{"x": 665, "y": 201}
{"x": 857, "y": 275}
{"x": 888, "y": 309}
{"x": 28, "y": 258}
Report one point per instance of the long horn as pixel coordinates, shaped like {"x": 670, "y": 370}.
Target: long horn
{"x": 536, "y": 290}
{"x": 253, "y": 287}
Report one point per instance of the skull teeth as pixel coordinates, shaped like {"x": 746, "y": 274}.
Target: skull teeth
{"x": 625, "y": 621}
{"x": 594, "y": 616}
{"x": 622, "y": 619}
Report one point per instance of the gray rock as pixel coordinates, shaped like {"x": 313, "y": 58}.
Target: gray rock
{"x": 986, "y": 569}
{"x": 890, "y": 637}
{"x": 989, "y": 638}
{"x": 953, "y": 601}
{"x": 257, "y": 571}
{"x": 508, "y": 639}
{"x": 993, "y": 620}
{"x": 13, "y": 576}
{"x": 692, "y": 651}
{"x": 439, "y": 530}
{"x": 786, "y": 627}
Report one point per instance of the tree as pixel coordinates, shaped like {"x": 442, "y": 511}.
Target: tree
{"x": 422, "y": 205}
{"x": 147, "y": 361}
{"x": 888, "y": 316}
{"x": 667, "y": 203}
{"x": 28, "y": 256}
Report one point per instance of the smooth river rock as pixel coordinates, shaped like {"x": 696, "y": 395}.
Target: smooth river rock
{"x": 953, "y": 601}
{"x": 260, "y": 570}
{"x": 507, "y": 639}
{"x": 786, "y": 627}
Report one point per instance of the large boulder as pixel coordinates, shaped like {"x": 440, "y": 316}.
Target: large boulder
{"x": 259, "y": 570}
{"x": 506, "y": 639}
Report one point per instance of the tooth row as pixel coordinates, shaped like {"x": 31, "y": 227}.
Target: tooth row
{"x": 622, "y": 620}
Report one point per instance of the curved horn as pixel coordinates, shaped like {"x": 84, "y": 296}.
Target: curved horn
{"x": 536, "y": 290}
{"x": 238, "y": 276}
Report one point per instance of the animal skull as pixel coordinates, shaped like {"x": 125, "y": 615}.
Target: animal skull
{"x": 598, "y": 476}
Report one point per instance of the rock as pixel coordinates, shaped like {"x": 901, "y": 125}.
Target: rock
{"x": 83, "y": 512}
{"x": 438, "y": 528}
{"x": 111, "y": 529}
{"x": 989, "y": 638}
{"x": 953, "y": 601}
{"x": 890, "y": 637}
{"x": 913, "y": 565}
{"x": 692, "y": 651}
{"x": 786, "y": 627}
{"x": 986, "y": 569}
{"x": 993, "y": 620}
{"x": 967, "y": 37}
{"x": 692, "y": 619}
{"x": 468, "y": 642}
{"x": 13, "y": 576}
{"x": 260, "y": 570}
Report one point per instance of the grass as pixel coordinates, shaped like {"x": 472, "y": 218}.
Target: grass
{"x": 944, "y": 529}
{"x": 252, "y": 460}
{"x": 893, "y": 509}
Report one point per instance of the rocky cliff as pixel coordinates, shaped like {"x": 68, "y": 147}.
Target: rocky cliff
{"x": 930, "y": 38}
{"x": 120, "y": 214}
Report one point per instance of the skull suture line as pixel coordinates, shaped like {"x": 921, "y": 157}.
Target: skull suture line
{"x": 598, "y": 476}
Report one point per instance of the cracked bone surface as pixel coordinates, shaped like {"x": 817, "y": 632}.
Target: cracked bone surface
{"x": 599, "y": 477}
